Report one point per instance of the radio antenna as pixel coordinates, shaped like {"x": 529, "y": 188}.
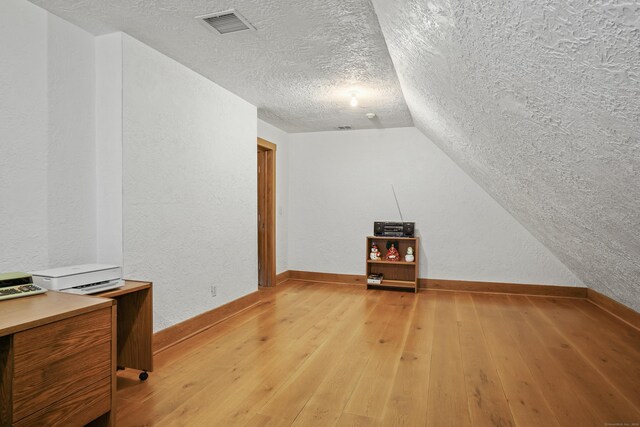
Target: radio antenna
{"x": 397, "y": 204}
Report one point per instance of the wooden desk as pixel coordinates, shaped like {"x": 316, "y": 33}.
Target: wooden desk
{"x": 135, "y": 325}
{"x": 56, "y": 360}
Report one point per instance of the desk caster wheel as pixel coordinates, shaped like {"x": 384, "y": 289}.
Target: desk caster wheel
{"x": 143, "y": 376}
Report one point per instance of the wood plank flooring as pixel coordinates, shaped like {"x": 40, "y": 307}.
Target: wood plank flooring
{"x": 337, "y": 355}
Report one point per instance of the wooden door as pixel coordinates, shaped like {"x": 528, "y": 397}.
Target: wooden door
{"x": 261, "y": 216}
{"x": 266, "y": 213}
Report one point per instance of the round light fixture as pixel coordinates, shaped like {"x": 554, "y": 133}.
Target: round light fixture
{"x": 354, "y": 99}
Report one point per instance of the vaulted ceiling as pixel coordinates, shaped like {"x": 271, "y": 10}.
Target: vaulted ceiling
{"x": 538, "y": 101}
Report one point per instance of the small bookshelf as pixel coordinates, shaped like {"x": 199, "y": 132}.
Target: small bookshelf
{"x": 396, "y": 274}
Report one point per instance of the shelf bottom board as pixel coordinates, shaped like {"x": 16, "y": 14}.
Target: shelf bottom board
{"x": 396, "y": 284}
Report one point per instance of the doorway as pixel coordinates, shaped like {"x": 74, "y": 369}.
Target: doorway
{"x": 266, "y": 213}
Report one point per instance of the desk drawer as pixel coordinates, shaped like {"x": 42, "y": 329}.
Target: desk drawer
{"x": 77, "y": 409}
{"x": 55, "y": 361}
{"x": 57, "y": 340}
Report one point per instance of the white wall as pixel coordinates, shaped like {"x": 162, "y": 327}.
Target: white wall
{"x": 23, "y": 129}
{"x": 281, "y": 139}
{"x": 71, "y": 174}
{"x": 340, "y": 183}
{"x": 108, "y": 110}
{"x": 47, "y": 148}
{"x": 189, "y": 178}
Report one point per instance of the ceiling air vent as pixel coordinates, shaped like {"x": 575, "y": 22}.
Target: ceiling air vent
{"x": 226, "y": 22}
{"x": 344, "y": 127}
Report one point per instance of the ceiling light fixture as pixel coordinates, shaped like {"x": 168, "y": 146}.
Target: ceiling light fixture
{"x": 354, "y": 99}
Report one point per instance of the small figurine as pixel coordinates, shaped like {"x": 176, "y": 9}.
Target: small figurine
{"x": 375, "y": 252}
{"x": 409, "y": 256}
{"x": 392, "y": 254}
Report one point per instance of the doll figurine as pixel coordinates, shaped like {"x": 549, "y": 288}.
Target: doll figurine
{"x": 375, "y": 252}
{"x": 409, "y": 256}
{"x": 392, "y": 254}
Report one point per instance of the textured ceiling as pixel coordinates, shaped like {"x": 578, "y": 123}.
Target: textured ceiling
{"x": 539, "y": 101}
{"x": 298, "y": 68}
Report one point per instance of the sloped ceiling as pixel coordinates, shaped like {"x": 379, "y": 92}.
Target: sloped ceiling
{"x": 299, "y": 68}
{"x": 539, "y": 101}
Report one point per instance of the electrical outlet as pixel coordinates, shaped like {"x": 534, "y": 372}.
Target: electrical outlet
{"x": 214, "y": 290}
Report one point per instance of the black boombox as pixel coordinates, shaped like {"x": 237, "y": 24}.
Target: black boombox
{"x": 393, "y": 229}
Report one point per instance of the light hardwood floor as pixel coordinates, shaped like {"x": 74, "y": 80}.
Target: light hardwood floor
{"x": 323, "y": 354}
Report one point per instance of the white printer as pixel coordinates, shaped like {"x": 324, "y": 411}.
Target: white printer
{"x": 80, "y": 279}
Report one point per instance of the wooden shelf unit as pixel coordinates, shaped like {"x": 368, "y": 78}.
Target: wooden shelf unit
{"x": 135, "y": 324}
{"x": 397, "y": 274}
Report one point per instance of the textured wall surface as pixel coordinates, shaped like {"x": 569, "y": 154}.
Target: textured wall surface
{"x": 47, "y": 149}
{"x": 539, "y": 102}
{"x": 189, "y": 177}
{"x": 298, "y": 68}
{"x": 281, "y": 139}
{"x": 23, "y": 133}
{"x": 464, "y": 233}
{"x": 108, "y": 111}
{"x": 71, "y": 174}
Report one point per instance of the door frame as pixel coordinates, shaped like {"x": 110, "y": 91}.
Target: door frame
{"x": 268, "y": 263}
